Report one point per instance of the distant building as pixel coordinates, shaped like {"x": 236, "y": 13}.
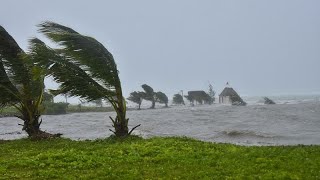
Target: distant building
{"x": 198, "y": 96}
{"x": 230, "y": 96}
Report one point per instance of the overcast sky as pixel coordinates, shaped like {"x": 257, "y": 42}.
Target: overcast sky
{"x": 262, "y": 47}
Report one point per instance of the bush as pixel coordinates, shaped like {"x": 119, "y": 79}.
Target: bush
{"x": 55, "y": 108}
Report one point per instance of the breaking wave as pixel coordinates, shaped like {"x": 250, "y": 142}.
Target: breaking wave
{"x": 245, "y": 133}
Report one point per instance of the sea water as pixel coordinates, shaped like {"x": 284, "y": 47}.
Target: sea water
{"x": 293, "y": 120}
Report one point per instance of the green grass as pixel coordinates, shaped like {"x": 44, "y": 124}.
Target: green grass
{"x": 156, "y": 158}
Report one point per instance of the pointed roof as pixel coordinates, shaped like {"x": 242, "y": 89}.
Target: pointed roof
{"x": 228, "y": 91}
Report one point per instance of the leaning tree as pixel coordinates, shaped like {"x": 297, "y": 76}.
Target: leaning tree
{"x": 149, "y": 95}
{"x": 162, "y": 98}
{"x": 22, "y": 83}
{"x": 84, "y": 68}
{"x": 178, "y": 99}
{"x": 136, "y": 97}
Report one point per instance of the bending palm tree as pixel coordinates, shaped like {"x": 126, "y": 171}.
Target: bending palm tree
{"x": 85, "y": 68}
{"x": 21, "y": 83}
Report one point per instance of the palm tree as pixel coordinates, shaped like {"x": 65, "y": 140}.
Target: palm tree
{"x": 84, "y": 68}
{"x": 21, "y": 83}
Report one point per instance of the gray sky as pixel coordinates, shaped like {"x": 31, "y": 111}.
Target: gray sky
{"x": 264, "y": 47}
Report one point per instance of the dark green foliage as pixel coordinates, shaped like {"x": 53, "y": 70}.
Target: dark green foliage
{"x": 136, "y": 97}
{"x": 177, "y": 99}
{"x": 84, "y": 68}
{"x": 155, "y": 158}
{"x": 21, "y": 82}
{"x": 268, "y": 101}
{"x": 47, "y": 97}
{"x": 199, "y": 96}
{"x": 52, "y": 108}
{"x": 98, "y": 102}
{"x": 211, "y": 94}
{"x": 149, "y": 95}
{"x": 190, "y": 99}
{"x": 162, "y": 98}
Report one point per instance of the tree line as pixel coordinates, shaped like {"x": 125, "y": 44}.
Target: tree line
{"x": 149, "y": 94}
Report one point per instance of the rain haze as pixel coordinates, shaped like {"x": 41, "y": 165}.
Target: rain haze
{"x": 261, "y": 47}
{"x": 268, "y": 51}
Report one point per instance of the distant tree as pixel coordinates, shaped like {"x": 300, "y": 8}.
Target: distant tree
{"x": 98, "y": 102}
{"x": 211, "y": 94}
{"x": 149, "y": 95}
{"x": 136, "y": 97}
{"x": 178, "y": 99}
{"x": 207, "y": 99}
{"x": 47, "y": 97}
{"x": 190, "y": 99}
{"x": 162, "y": 98}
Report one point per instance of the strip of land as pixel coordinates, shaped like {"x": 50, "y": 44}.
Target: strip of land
{"x": 167, "y": 158}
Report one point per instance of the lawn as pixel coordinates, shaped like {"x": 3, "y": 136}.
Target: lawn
{"x": 155, "y": 158}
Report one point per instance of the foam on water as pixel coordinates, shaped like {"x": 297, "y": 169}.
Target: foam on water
{"x": 292, "y": 123}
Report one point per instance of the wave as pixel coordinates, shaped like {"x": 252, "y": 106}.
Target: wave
{"x": 245, "y": 133}
{"x": 11, "y": 133}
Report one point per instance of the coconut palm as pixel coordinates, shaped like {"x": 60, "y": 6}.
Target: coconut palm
{"x": 84, "y": 68}
{"x": 21, "y": 83}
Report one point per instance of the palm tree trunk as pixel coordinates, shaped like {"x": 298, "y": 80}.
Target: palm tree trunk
{"x": 121, "y": 122}
{"x": 32, "y": 127}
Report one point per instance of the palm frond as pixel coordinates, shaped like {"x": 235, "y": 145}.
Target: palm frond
{"x": 74, "y": 80}
{"x": 10, "y": 54}
{"x": 86, "y": 50}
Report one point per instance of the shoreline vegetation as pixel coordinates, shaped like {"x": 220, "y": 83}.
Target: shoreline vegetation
{"x": 12, "y": 112}
{"x": 158, "y": 157}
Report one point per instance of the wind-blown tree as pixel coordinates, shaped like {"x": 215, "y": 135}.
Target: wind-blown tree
{"x": 22, "y": 83}
{"x": 149, "y": 95}
{"x": 177, "y": 99}
{"x": 136, "y": 97}
{"x": 162, "y": 98}
{"x": 84, "y": 68}
{"x": 190, "y": 99}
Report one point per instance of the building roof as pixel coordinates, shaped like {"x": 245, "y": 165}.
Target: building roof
{"x": 228, "y": 91}
{"x": 197, "y": 93}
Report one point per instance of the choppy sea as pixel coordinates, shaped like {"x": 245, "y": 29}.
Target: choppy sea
{"x": 293, "y": 120}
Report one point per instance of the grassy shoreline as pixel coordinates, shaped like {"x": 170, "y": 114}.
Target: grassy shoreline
{"x": 167, "y": 158}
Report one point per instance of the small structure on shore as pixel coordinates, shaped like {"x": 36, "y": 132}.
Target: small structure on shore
{"x": 230, "y": 96}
